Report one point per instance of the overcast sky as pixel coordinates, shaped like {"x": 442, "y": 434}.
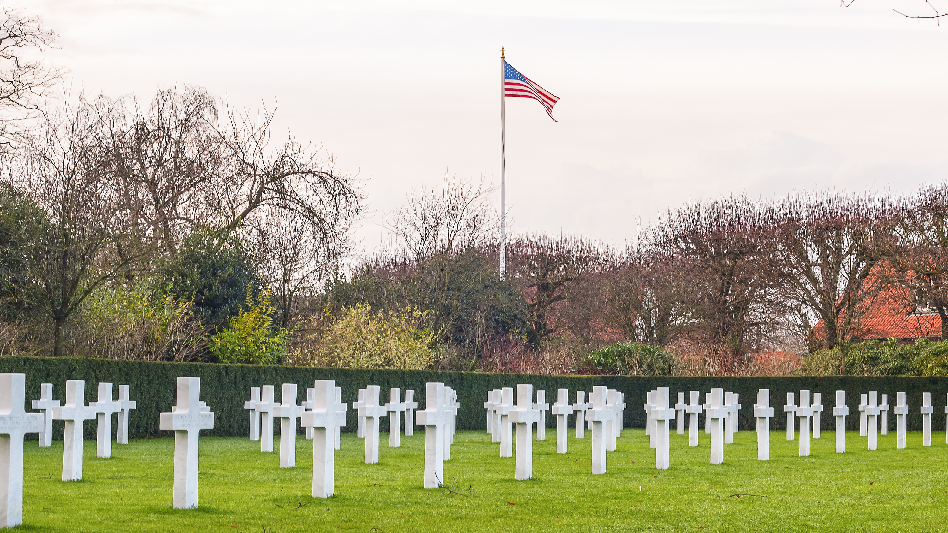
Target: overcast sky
{"x": 662, "y": 102}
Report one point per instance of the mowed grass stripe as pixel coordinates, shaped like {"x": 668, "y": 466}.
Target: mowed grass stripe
{"x": 242, "y": 489}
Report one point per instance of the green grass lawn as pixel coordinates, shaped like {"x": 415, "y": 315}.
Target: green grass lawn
{"x": 242, "y": 489}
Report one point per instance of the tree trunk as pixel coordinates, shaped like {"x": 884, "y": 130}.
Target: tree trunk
{"x": 59, "y": 325}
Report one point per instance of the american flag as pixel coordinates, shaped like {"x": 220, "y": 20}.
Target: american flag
{"x": 519, "y": 86}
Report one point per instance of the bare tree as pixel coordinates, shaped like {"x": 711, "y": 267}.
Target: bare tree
{"x": 23, "y": 79}
{"x": 828, "y": 246}
{"x": 458, "y": 217}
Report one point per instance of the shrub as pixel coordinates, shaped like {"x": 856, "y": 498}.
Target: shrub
{"x": 630, "y": 359}
{"x": 361, "y": 338}
{"x": 136, "y": 322}
{"x": 251, "y": 338}
{"x": 881, "y": 358}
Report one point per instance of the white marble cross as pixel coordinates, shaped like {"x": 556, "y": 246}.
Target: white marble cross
{"x": 804, "y": 412}
{"x": 186, "y": 419}
{"x": 46, "y": 403}
{"x": 395, "y": 407}
{"x": 736, "y": 409}
{"x": 104, "y": 407}
{"x": 265, "y": 408}
{"x": 125, "y": 409}
{"x": 580, "y": 408}
{"x": 841, "y": 411}
{"x": 884, "y": 415}
{"x": 693, "y": 409}
{"x": 620, "y": 413}
{"x": 323, "y": 419}
{"x": 372, "y": 411}
{"x": 680, "y": 413}
{"x": 15, "y": 423}
{"x": 524, "y": 416}
{"x": 946, "y": 423}
{"x": 901, "y": 413}
{"x": 871, "y": 410}
{"x": 308, "y": 406}
{"x": 817, "y": 410}
{"x": 451, "y": 406}
{"x": 863, "y": 401}
{"x": 506, "y": 437}
{"x": 340, "y": 407}
{"x": 288, "y": 412}
{"x": 74, "y": 412}
{"x": 561, "y": 410}
{"x": 434, "y": 418}
{"x": 662, "y": 413}
{"x": 360, "y": 422}
{"x": 410, "y": 406}
{"x": 251, "y": 405}
{"x": 589, "y": 422}
{"x": 790, "y": 409}
{"x": 543, "y": 407}
{"x": 611, "y": 422}
{"x": 491, "y": 406}
{"x": 649, "y": 420}
{"x": 707, "y": 421}
{"x": 730, "y": 407}
{"x": 599, "y": 415}
{"x": 716, "y": 412}
{"x": 763, "y": 412}
{"x": 927, "y": 411}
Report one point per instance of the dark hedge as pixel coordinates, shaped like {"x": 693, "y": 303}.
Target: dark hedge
{"x": 226, "y": 387}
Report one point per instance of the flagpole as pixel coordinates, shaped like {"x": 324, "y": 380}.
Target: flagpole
{"x": 503, "y": 170}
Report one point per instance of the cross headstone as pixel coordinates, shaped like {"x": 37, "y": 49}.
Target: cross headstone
{"x": 763, "y": 412}
{"x": 620, "y": 413}
{"x": 289, "y": 413}
{"x": 308, "y": 406}
{"x": 736, "y": 409}
{"x": 946, "y": 423}
{"x": 410, "y": 406}
{"x": 841, "y": 411}
{"x": 395, "y": 409}
{"x": 360, "y": 422}
{"x": 372, "y": 411}
{"x": 506, "y": 437}
{"x": 901, "y": 413}
{"x": 884, "y": 415}
{"x": 790, "y": 409}
{"x": 323, "y": 419}
{"x": 599, "y": 415}
{"x": 46, "y": 403}
{"x": 125, "y": 409}
{"x": 927, "y": 411}
{"x": 524, "y": 416}
{"x": 490, "y": 406}
{"x": 817, "y": 409}
{"x": 649, "y": 421}
{"x": 804, "y": 412}
{"x": 871, "y": 409}
{"x": 730, "y": 407}
{"x": 104, "y": 407}
{"x": 707, "y": 421}
{"x": 186, "y": 419}
{"x": 716, "y": 412}
{"x": 340, "y": 408}
{"x": 589, "y": 422}
{"x": 561, "y": 410}
{"x": 610, "y": 427}
{"x": 451, "y": 406}
{"x": 265, "y": 407}
{"x": 543, "y": 406}
{"x": 863, "y": 401}
{"x": 662, "y": 413}
{"x": 15, "y": 423}
{"x": 252, "y": 406}
{"x": 680, "y": 413}
{"x": 434, "y": 418}
{"x": 74, "y": 412}
{"x": 580, "y": 408}
{"x": 693, "y": 409}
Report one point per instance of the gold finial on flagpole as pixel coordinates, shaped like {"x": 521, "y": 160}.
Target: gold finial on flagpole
{"x": 501, "y": 52}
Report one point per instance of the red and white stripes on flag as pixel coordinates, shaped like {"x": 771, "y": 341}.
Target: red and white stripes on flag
{"x": 516, "y": 85}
